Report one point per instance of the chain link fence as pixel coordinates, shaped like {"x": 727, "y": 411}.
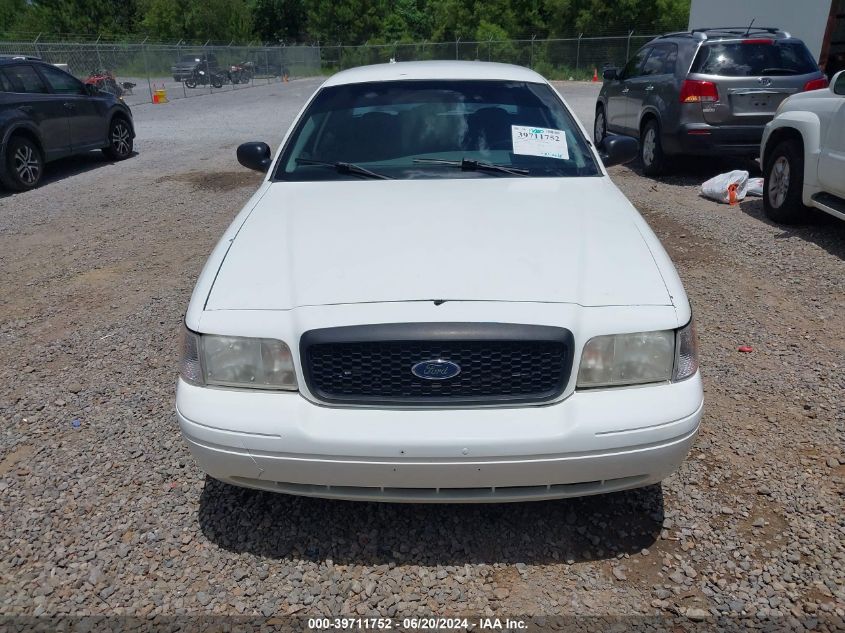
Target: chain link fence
{"x": 559, "y": 58}
{"x": 137, "y": 70}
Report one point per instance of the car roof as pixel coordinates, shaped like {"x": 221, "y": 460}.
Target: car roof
{"x": 434, "y": 70}
{"x": 19, "y": 58}
{"x": 729, "y": 33}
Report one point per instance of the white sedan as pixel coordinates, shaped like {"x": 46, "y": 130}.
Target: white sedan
{"x": 438, "y": 295}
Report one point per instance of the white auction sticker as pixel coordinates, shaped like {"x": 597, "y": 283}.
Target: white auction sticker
{"x": 539, "y": 141}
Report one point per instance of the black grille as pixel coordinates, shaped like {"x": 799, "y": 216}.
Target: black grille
{"x": 499, "y": 363}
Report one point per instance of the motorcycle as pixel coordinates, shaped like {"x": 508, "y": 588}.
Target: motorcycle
{"x": 203, "y": 78}
{"x": 105, "y": 80}
{"x": 240, "y": 73}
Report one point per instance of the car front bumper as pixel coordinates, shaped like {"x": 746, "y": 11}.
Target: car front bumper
{"x": 592, "y": 442}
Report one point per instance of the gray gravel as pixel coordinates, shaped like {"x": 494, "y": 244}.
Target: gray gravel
{"x": 105, "y": 512}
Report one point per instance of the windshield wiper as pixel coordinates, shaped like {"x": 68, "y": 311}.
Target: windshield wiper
{"x": 344, "y": 168}
{"x": 473, "y": 165}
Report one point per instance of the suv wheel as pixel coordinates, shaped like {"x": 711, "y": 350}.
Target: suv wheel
{"x": 600, "y": 126}
{"x": 651, "y": 150}
{"x": 120, "y": 140}
{"x": 783, "y": 183}
{"x": 22, "y": 165}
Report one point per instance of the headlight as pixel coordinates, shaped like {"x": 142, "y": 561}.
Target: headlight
{"x": 627, "y": 359}
{"x": 236, "y": 361}
{"x": 634, "y": 359}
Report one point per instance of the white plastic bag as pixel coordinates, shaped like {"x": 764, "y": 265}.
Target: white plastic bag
{"x": 730, "y": 187}
{"x": 755, "y": 187}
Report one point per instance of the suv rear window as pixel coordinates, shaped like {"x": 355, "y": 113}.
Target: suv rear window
{"x": 750, "y": 59}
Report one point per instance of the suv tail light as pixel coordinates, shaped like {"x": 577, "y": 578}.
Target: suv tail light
{"x": 693, "y": 91}
{"x": 815, "y": 84}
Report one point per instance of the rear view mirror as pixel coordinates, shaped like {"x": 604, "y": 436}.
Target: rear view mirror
{"x": 618, "y": 150}
{"x": 255, "y": 155}
{"x": 610, "y": 74}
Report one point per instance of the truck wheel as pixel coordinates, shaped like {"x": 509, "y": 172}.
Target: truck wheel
{"x": 651, "y": 150}
{"x": 22, "y": 165}
{"x": 783, "y": 184}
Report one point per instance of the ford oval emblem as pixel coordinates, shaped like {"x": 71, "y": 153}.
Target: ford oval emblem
{"x": 766, "y": 81}
{"x": 436, "y": 369}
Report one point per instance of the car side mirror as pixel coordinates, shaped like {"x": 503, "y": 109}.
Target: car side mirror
{"x": 90, "y": 89}
{"x": 609, "y": 74}
{"x": 255, "y": 155}
{"x": 837, "y": 84}
{"x": 618, "y": 150}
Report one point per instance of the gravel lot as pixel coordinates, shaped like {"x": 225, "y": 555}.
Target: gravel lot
{"x": 104, "y": 511}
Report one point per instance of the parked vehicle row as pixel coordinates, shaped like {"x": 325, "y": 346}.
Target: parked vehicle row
{"x": 47, "y": 113}
{"x": 706, "y": 92}
{"x": 204, "y": 69}
{"x": 735, "y": 92}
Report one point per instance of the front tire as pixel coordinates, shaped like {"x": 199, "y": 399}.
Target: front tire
{"x": 23, "y": 165}
{"x": 191, "y": 83}
{"x": 783, "y": 184}
{"x": 651, "y": 150}
{"x": 120, "y": 140}
{"x": 599, "y": 126}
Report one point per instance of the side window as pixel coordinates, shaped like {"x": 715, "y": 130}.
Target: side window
{"x": 632, "y": 68}
{"x": 24, "y": 79}
{"x": 661, "y": 61}
{"x": 61, "y": 82}
{"x": 671, "y": 60}
{"x": 5, "y": 84}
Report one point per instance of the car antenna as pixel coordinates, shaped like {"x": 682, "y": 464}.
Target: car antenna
{"x": 748, "y": 30}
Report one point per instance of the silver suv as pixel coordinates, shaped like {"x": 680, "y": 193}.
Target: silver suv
{"x": 703, "y": 92}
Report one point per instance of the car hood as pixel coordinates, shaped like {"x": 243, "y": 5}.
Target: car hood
{"x": 557, "y": 240}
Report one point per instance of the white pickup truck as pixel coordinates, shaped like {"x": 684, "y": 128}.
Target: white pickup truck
{"x": 803, "y": 155}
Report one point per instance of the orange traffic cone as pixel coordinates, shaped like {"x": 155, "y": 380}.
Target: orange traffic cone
{"x": 595, "y": 74}
{"x": 155, "y": 94}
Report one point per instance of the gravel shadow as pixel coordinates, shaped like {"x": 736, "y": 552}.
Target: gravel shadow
{"x": 280, "y": 526}
{"x": 821, "y": 229}
{"x": 70, "y": 166}
{"x": 689, "y": 171}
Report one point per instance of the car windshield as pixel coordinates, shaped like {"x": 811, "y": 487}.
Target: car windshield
{"x": 751, "y": 58}
{"x": 436, "y": 129}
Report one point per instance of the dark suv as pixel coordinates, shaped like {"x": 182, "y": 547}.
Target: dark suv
{"x": 189, "y": 65}
{"x": 703, "y": 92}
{"x": 46, "y": 113}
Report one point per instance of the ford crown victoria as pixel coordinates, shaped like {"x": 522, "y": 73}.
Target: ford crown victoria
{"x": 438, "y": 295}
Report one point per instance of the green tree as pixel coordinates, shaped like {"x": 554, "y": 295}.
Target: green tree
{"x": 347, "y": 22}
{"x": 280, "y": 20}
{"x": 406, "y": 20}
{"x": 92, "y": 17}
{"x": 11, "y": 13}
{"x": 217, "y": 20}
